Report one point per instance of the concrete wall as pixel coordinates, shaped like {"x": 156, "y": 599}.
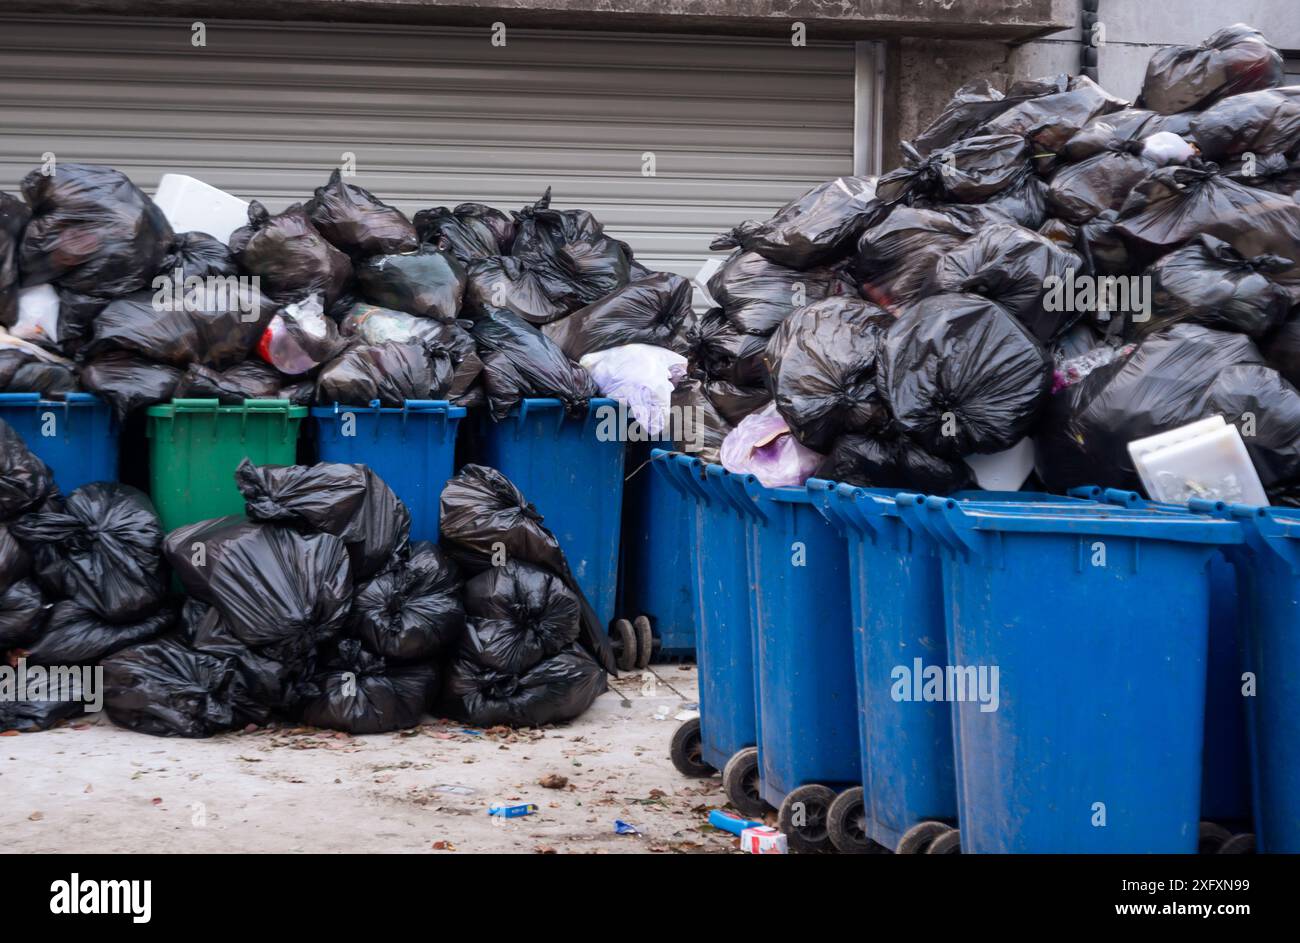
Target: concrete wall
{"x": 926, "y": 72}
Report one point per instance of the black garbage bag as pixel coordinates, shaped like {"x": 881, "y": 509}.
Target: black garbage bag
{"x": 356, "y": 221}
{"x": 817, "y": 227}
{"x": 968, "y": 171}
{"x": 895, "y": 258}
{"x": 92, "y": 231}
{"x": 360, "y": 693}
{"x": 650, "y": 310}
{"x": 77, "y": 313}
{"x": 822, "y": 364}
{"x": 1276, "y": 173}
{"x": 15, "y": 562}
{"x": 518, "y": 615}
{"x": 168, "y": 690}
{"x": 375, "y": 325}
{"x": 262, "y": 687}
{"x": 129, "y": 382}
{"x": 427, "y": 282}
{"x": 1261, "y": 123}
{"x": 892, "y": 462}
{"x": 350, "y": 502}
{"x": 23, "y": 611}
{"x": 1233, "y": 60}
{"x": 251, "y": 379}
{"x": 1107, "y": 132}
{"x": 25, "y": 480}
{"x": 1016, "y": 267}
{"x": 14, "y": 215}
{"x": 703, "y": 426}
{"x": 1281, "y": 349}
{"x": 391, "y": 373}
{"x": 1208, "y": 282}
{"x": 553, "y": 691}
{"x": 26, "y": 368}
{"x": 1078, "y": 192}
{"x": 520, "y": 361}
{"x": 757, "y": 295}
{"x": 1175, "y": 204}
{"x": 102, "y": 547}
{"x": 1102, "y": 245}
{"x": 290, "y": 255}
{"x": 481, "y": 513}
{"x": 75, "y": 635}
{"x": 570, "y": 247}
{"x": 504, "y": 282}
{"x": 207, "y": 325}
{"x": 1049, "y": 121}
{"x": 1023, "y": 203}
{"x": 49, "y": 701}
{"x": 734, "y": 402}
{"x": 1178, "y": 376}
{"x": 714, "y": 347}
{"x": 471, "y": 230}
{"x": 413, "y": 611}
{"x": 962, "y": 377}
{"x": 272, "y": 585}
{"x": 974, "y": 104}
{"x": 198, "y": 255}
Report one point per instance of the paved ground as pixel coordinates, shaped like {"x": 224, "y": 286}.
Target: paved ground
{"x": 93, "y": 787}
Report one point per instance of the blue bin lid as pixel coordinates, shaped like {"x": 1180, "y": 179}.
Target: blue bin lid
{"x": 408, "y": 406}
{"x": 75, "y": 398}
{"x": 1085, "y": 519}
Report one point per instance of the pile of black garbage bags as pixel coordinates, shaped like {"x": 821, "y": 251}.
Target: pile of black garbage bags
{"x": 337, "y": 299}
{"x": 1049, "y": 262}
{"x": 312, "y": 606}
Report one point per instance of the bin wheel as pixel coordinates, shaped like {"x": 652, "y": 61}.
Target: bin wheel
{"x": 1211, "y": 838}
{"x": 947, "y": 843}
{"x": 685, "y": 751}
{"x": 847, "y": 823}
{"x": 624, "y": 644}
{"x": 917, "y": 838}
{"x": 802, "y": 818}
{"x": 645, "y": 641}
{"x": 1242, "y": 843}
{"x": 740, "y": 783}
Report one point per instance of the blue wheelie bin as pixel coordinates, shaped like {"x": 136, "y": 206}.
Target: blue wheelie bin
{"x": 803, "y": 642}
{"x": 575, "y": 480}
{"x": 654, "y": 587}
{"x": 1083, "y": 636}
{"x": 717, "y": 508}
{"x": 1268, "y": 572}
{"x": 76, "y": 436}
{"x": 1225, "y": 774}
{"x": 411, "y": 448}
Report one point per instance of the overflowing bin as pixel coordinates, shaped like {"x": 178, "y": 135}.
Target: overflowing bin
{"x": 195, "y": 445}
{"x": 571, "y": 468}
{"x": 412, "y": 448}
{"x": 1083, "y": 635}
{"x": 75, "y": 435}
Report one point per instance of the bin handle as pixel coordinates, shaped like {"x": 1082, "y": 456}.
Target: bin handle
{"x": 16, "y": 398}
{"x": 1127, "y": 499}
{"x": 1087, "y": 492}
{"x": 829, "y": 504}
{"x": 667, "y": 466}
{"x": 691, "y": 470}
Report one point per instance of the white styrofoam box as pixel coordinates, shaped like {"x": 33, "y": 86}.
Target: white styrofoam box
{"x": 191, "y": 205}
{"x": 1006, "y": 470}
{"x": 1213, "y": 465}
{"x": 1153, "y": 443}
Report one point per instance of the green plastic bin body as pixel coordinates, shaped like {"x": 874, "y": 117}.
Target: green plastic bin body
{"x": 195, "y": 445}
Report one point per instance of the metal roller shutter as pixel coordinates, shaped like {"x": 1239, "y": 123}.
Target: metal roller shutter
{"x": 737, "y": 126}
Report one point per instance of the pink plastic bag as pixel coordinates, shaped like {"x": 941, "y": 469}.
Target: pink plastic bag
{"x": 762, "y": 446}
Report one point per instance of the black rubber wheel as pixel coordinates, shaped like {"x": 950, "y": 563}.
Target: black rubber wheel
{"x": 917, "y": 838}
{"x": 1212, "y": 837}
{"x": 624, "y": 644}
{"x": 803, "y": 818}
{"x": 740, "y": 783}
{"x": 685, "y": 751}
{"x": 645, "y": 641}
{"x": 847, "y": 823}
{"x": 949, "y": 843}
{"x": 1242, "y": 843}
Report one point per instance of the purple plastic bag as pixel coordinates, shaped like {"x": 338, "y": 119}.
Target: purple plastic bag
{"x": 762, "y": 446}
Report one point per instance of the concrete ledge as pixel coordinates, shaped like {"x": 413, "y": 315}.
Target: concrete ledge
{"x": 1005, "y": 20}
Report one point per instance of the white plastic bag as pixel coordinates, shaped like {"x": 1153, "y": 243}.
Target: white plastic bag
{"x": 299, "y": 338}
{"x": 762, "y": 446}
{"x": 1165, "y": 147}
{"x": 38, "y": 315}
{"x": 640, "y": 375}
